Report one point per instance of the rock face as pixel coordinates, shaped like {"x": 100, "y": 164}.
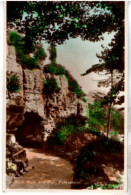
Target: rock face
{"x": 32, "y": 114}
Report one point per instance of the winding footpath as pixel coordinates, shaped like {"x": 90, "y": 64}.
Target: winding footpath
{"x": 47, "y": 172}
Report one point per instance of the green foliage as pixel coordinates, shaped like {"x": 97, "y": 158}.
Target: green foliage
{"x": 84, "y": 99}
{"x": 40, "y": 54}
{"x": 97, "y": 117}
{"x": 13, "y": 84}
{"x": 95, "y": 68}
{"x": 111, "y": 145}
{"x": 72, "y": 124}
{"x": 14, "y": 38}
{"x": 106, "y": 186}
{"x": 27, "y": 61}
{"x": 76, "y": 88}
{"x": 73, "y": 85}
{"x": 31, "y": 63}
{"x": 51, "y": 86}
{"x": 98, "y": 152}
{"x": 22, "y": 53}
{"x": 55, "y": 69}
{"x": 53, "y": 53}
{"x": 116, "y": 121}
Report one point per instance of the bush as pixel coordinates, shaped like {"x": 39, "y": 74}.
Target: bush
{"x": 13, "y": 84}
{"x": 102, "y": 151}
{"x": 55, "y": 69}
{"x": 97, "y": 117}
{"x": 53, "y": 53}
{"x": 72, "y": 124}
{"x": 40, "y": 54}
{"x": 17, "y": 41}
{"x": 111, "y": 145}
{"x": 26, "y": 61}
{"x": 51, "y": 86}
{"x": 14, "y": 39}
{"x": 31, "y": 63}
{"x": 76, "y": 88}
{"x": 117, "y": 121}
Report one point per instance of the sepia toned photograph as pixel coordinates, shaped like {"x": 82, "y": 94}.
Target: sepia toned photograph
{"x": 66, "y": 95}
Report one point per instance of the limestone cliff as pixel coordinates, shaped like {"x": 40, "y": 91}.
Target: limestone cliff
{"x": 32, "y": 114}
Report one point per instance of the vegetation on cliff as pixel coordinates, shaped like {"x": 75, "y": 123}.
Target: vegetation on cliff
{"x": 22, "y": 53}
{"x": 13, "y": 83}
{"x": 51, "y": 86}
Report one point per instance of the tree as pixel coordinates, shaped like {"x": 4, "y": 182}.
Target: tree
{"x": 116, "y": 86}
{"x": 112, "y": 59}
{"x": 55, "y": 22}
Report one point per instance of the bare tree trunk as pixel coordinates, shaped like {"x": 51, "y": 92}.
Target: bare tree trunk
{"x": 108, "y": 119}
{"x": 109, "y": 108}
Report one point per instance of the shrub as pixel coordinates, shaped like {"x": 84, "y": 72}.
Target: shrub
{"x": 72, "y": 124}
{"x": 53, "y": 53}
{"x": 91, "y": 158}
{"x": 76, "y": 88}
{"x": 31, "y": 63}
{"x": 117, "y": 121}
{"x": 17, "y": 41}
{"x": 111, "y": 145}
{"x": 97, "y": 117}
{"x": 55, "y": 69}
{"x": 13, "y": 84}
{"x": 51, "y": 86}
{"x": 26, "y": 61}
{"x": 40, "y": 54}
{"x": 14, "y": 39}
{"x": 84, "y": 99}
{"x": 21, "y": 57}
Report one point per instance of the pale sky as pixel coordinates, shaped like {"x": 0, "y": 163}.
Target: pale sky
{"x": 77, "y": 56}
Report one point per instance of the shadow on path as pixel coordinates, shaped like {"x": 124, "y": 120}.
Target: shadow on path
{"x": 48, "y": 171}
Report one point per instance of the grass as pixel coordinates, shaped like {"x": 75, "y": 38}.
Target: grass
{"x": 106, "y": 186}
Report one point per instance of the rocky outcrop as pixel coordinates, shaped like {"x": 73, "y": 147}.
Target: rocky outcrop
{"x": 14, "y": 101}
{"x": 31, "y": 112}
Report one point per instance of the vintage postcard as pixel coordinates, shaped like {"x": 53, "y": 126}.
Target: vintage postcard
{"x": 66, "y": 95}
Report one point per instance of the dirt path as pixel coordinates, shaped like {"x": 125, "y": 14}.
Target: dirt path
{"x": 49, "y": 172}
